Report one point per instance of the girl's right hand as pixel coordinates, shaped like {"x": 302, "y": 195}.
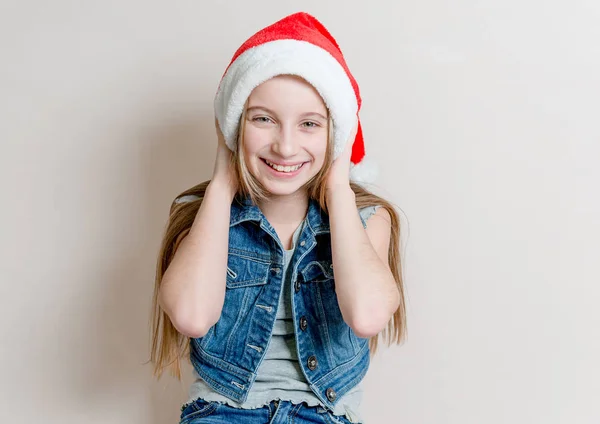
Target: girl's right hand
{"x": 224, "y": 173}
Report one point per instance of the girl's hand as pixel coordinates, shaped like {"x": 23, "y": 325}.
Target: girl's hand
{"x": 339, "y": 173}
{"x": 224, "y": 173}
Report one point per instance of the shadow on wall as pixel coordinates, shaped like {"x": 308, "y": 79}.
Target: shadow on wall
{"x": 179, "y": 157}
{"x": 171, "y": 158}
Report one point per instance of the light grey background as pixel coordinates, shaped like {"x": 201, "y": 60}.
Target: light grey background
{"x": 483, "y": 116}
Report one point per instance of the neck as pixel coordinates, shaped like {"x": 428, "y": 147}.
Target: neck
{"x": 285, "y": 210}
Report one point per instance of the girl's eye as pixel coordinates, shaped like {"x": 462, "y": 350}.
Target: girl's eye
{"x": 310, "y": 124}
{"x": 262, "y": 119}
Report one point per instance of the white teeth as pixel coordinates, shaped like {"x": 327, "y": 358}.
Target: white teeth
{"x": 283, "y": 168}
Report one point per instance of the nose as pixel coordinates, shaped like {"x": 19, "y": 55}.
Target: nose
{"x": 285, "y": 144}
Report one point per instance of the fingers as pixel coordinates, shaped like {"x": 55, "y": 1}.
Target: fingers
{"x": 351, "y": 140}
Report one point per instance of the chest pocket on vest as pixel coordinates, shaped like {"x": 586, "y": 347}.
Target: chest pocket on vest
{"x": 243, "y": 271}
{"x": 317, "y": 271}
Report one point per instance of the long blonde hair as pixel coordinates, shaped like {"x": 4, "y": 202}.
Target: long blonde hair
{"x": 168, "y": 345}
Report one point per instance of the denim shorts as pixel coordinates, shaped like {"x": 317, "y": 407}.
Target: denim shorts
{"x": 276, "y": 412}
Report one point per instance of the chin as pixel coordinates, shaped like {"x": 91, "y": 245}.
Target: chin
{"x": 283, "y": 189}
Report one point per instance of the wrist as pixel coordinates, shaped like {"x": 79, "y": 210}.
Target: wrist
{"x": 222, "y": 186}
{"x": 339, "y": 191}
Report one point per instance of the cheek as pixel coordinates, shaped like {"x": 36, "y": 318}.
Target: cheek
{"x": 319, "y": 160}
{"x": 251, "y": 146}
{"x": 320, "y": 150}
{"x": 254, "y": 141}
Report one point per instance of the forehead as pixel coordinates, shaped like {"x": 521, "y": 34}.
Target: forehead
{"x": 287, "y": 92}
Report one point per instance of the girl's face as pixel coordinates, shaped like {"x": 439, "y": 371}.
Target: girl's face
{"x": 285, "y": 135}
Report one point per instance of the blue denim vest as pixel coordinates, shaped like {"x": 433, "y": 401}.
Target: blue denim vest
{"x": 332, "y": 358}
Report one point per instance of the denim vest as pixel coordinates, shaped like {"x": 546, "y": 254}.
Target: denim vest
{"x": 332, "y": 358}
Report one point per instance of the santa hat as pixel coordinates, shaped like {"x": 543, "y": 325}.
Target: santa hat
{"x": 296, "y": 45}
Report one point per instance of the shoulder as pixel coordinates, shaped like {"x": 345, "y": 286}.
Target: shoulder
{"x": 379, "y": 230}
{"x": 376, "y": 210}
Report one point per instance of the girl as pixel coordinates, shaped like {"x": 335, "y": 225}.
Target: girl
{"x": 280, "y": 272}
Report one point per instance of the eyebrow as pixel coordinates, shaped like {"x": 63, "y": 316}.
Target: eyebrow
{"x": 304, "y": 115}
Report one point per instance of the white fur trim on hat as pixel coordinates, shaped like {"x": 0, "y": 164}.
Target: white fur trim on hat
{"x": 281, "y": 57}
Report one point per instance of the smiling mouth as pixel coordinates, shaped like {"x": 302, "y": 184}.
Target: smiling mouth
{"x": 281, "y": 168}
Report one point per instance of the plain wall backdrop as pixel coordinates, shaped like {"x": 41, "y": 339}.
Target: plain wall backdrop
{"x": 483, "y": 116}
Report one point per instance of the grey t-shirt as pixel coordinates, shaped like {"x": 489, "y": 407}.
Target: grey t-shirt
{"x": 279, "y": 375}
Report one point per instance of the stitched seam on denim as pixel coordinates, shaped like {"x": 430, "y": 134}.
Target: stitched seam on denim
{"x": 246, "y": 283}
{"x": 354, "y": 381}
{"x": 258, "y": 349}
{"x": 293, "y": 413}
{"x": 328, "y": 275}
{"x": 238, "y": 385}
{"x": 327, "y": 417}
{"x": 201, "y": 413}
{"x": 221, "y": 363}
{"x": 266, "y": 308}
{"x": 344, "y": 389}
{"x": 324, "y": 325}
{"x": 334, "y": 419}
{"x": 209, "y": 335}
{"x": 223, "y": 389}
{"x": 236, "y": 325}
{"x": 231, "y": 273}
{"x": 185, "y": 405}
{"x": 260, "y": 280}
{"x": 243, "y": 218}
{"x": 267, "y": 228}
{"x": 294, "y": 317}
{"x": 199, "y": 408}
{"x": 325, "y": 270}
{"x": 276, "y": 411}
{"x": 320, "y": 228}
{"x": 352, "y": 337}
{"x": 295, "y": 268}
{"x": 253, "y": 256}
{"x": 342, "y": 368}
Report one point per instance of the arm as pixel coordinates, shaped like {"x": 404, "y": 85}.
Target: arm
{"x": 364, "y": 284}
{"x": 192, "y": 290}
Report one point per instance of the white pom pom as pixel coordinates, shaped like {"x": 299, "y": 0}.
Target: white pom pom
{"x": 366, "y": 171}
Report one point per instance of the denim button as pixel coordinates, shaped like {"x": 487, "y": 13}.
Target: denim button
{"x": 331, "y": 395}
{"x": 302, "y": 243}
{"x": 303, "y": 323}
{"x": 297, "y": 286}
{"x": 312, "y": 363}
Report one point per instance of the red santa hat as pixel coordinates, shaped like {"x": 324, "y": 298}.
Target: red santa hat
{"x": 296, "y": 45}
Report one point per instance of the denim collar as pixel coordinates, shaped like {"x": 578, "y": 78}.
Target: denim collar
{"x": 242, "y": 210}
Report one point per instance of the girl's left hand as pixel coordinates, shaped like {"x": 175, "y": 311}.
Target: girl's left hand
{"x": 339, "y": 173}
